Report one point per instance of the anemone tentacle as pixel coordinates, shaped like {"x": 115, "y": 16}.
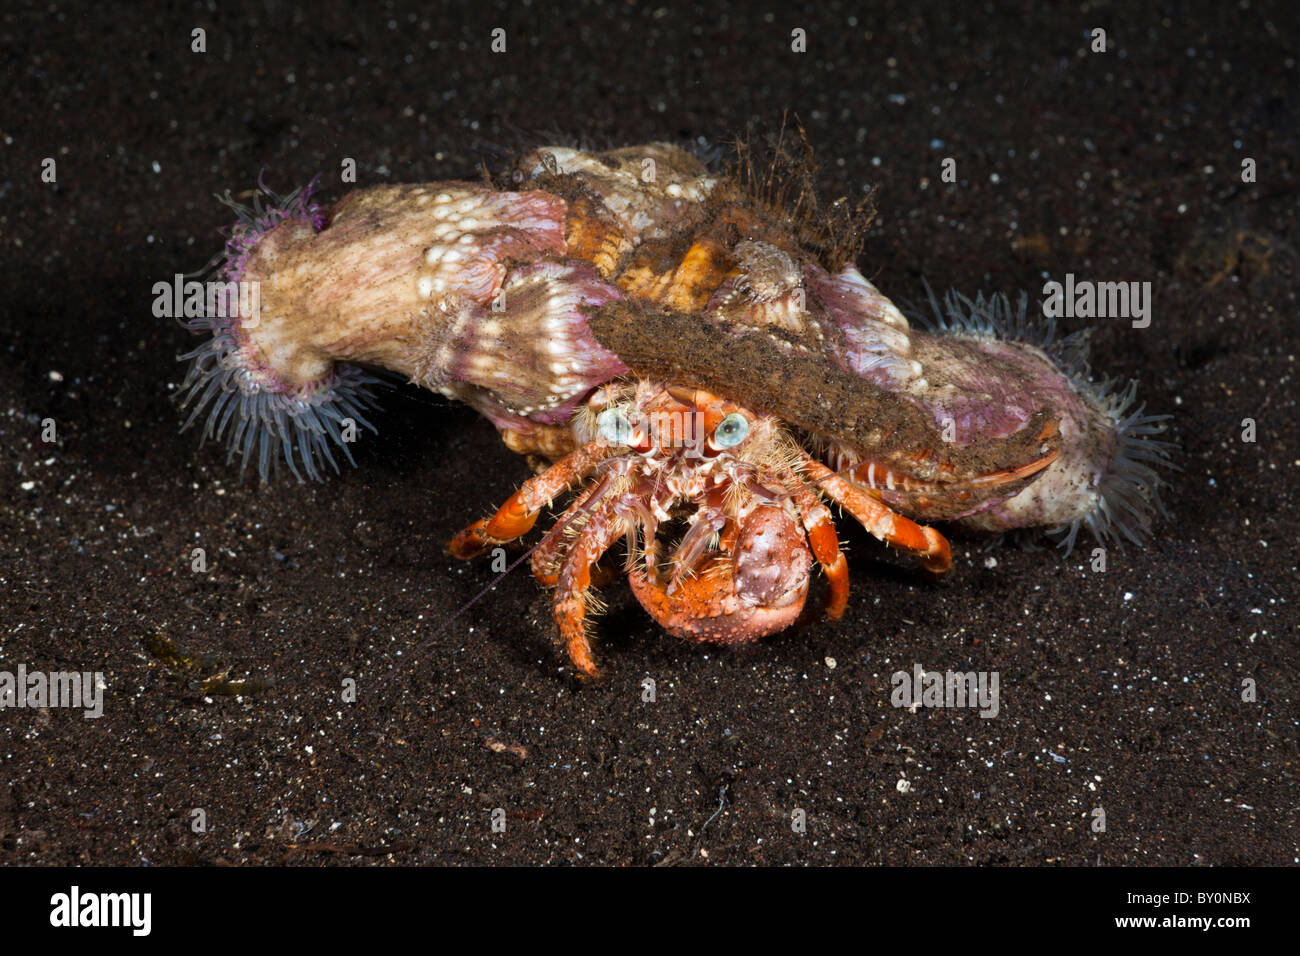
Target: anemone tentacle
{"x": 249, "y": 415}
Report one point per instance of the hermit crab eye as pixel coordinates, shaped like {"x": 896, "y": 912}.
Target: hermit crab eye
{"x": 614, "y": 426}
{"x": 731, "y": 431}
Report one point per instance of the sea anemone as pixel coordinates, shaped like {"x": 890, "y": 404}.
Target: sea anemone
{"x": 456, "y": 287}
{"x": 248, "y": 405}
{"x": 1108, "y": 476}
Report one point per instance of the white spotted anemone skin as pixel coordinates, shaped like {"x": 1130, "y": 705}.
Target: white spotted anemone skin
{"x": 455, "y": 286}
{"x": 389, "y": 264}
{"x": 530, "y": 361}
{"x": 651, "y": 190}
{"x": 991, "y": 364}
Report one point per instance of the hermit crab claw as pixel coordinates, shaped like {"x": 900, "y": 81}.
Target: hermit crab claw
{"x": 755, "y": 585}
{"x": 928, "y": 486}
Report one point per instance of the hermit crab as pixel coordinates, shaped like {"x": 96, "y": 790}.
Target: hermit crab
{"x": 683, "y": 348}
{"x": 741, "y": 570}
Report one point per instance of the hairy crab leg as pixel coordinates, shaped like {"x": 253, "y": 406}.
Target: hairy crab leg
{"x": 549, "y": 551}
{"x": 519, "y": 513}
{"x": 889, "y": 527}
{"x": 641, "y": 518}
{"x": 820, "y": 527}
{"x": 571, "y": 596}
{"x": 650, "y": 532}
{"x": 708, "y": 520}
{"x": 930, "y": 500}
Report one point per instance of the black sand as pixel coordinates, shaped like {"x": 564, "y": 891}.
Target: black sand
{"x": 1120, "y": 690}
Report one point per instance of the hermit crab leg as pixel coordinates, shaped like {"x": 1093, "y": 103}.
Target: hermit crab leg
{"x": 947, "y": 500}
{"x": 708, "y": 520}
{"x": 649, "y": 551}
{"x": 820, "y": 527}
{"x": 604, "y": 528}
{"x": 891, "y": 528}
{"x": 518, "y": 515}
{"x": 546, "y": 556}
{"x": 650, "y": 531}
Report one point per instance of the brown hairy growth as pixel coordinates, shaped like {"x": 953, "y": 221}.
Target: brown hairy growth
{"x": 796, "y": 387}
{"x": 779, "y": 177}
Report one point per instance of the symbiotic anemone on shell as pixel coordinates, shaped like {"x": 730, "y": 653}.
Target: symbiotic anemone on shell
{"x": 584, "y": 302}
{"x": 1115, "y": 476}
{"x": 249, "y": 404}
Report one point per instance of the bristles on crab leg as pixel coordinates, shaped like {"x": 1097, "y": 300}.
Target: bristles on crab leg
{"x": 820, "y": 528}
{"x": 891, "y": 528}
{"x": 649, "y": 544}
{"x": 707, "y": 521}
{"x": 518, "y": 515}
{"x": 547, "y": 555}
{"x": 573, "y": 590}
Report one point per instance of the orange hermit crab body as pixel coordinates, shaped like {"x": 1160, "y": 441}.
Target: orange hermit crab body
{"x": 751, "y": 499}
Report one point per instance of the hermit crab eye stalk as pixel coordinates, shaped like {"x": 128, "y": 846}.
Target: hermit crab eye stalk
{"x": 615, "y": 427}
{"x": 731, "y": 431}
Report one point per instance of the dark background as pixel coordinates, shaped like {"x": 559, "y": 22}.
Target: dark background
{"x": 1120, "y": 690}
